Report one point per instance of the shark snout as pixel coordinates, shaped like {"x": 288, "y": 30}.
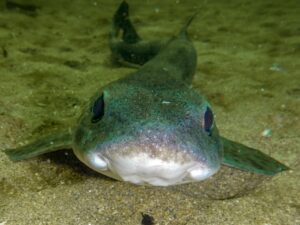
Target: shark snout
{"x": 152, "y": 158}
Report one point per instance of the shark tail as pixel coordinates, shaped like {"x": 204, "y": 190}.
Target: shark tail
{"x": 121, "y": 22}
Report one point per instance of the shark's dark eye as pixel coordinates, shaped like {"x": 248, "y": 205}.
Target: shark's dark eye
{"x": 98, "y": 109}
{"x": 208, "y": 120}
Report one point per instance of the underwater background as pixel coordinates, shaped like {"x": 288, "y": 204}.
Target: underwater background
{"x": 54, "y": 56}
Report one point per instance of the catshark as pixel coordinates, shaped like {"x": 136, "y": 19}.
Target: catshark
{"x": 150, "y": 127}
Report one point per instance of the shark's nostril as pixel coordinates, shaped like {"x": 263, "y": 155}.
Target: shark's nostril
{"x": 97, "y": 161}
{"x": 198, "y": 172}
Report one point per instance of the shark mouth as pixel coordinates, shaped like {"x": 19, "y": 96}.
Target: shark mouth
{"x": 144, "y": 169}
{"x": 153, "y": 157}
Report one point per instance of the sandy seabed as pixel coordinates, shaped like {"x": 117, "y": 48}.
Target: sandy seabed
{"x": 54, "y": 57}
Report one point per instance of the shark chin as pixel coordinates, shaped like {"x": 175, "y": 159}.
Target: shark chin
{"x": 144, "y": 169}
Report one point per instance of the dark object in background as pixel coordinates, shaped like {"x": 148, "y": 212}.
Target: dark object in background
{"x": 4, "y": 52}
{"x": 74, "y": 64}
{"x": 2, "y": 4}
{"x": 147, "y": 219}
{"x": 28, "y": 9}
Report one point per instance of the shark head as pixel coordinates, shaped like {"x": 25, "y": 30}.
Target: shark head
{"x": 156, "y": 138}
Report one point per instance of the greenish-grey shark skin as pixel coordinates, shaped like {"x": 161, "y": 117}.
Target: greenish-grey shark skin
{"x": 150, "y": 127}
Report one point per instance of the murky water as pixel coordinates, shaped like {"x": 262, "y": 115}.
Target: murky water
{"x": 54, "y": 56}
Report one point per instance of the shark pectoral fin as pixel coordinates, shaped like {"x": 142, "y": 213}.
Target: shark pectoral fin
{"x": 242, "y": 157}
{"x": 47, "y": 144}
